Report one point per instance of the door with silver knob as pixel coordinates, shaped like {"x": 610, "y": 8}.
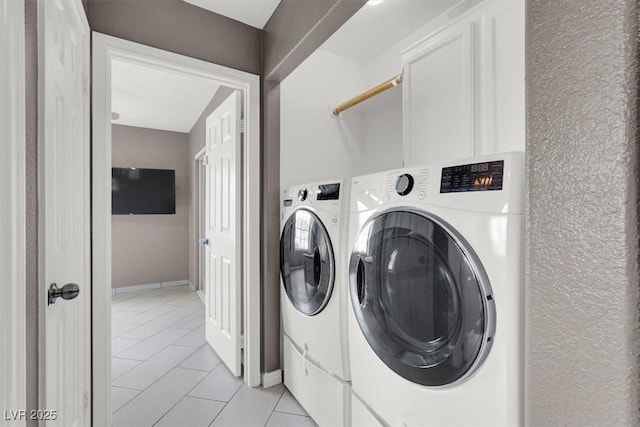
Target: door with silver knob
{"x": 65, "y": 346}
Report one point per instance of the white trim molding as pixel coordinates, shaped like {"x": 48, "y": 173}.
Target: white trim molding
{"x": 147, "y": 286}
{"x": 105, "y": 49}
{"x": 12, "y": 212}
{"x": 269, "y": 379}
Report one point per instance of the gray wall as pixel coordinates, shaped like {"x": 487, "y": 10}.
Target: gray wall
{"x": 151, "y": 248}
{"x": 582, "y": 361}
{"x": 197, "y": 140}
{"x": 179, "y": 27}
{"x": 296, "y": 29}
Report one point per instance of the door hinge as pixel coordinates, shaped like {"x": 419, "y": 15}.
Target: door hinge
{"x": 85, "y": 85}
{"x": 242, "y": 126}
{"x": 241, "y": 342}
{"x": 86, "y": 400}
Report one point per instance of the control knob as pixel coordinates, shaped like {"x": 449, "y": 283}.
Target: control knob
{"x": 302, "y": 194}
{"x": 404, "y": 184}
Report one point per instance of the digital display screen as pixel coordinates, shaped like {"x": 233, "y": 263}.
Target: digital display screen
{"x": 485, "y": 176}
{"x": 328, "y": 192}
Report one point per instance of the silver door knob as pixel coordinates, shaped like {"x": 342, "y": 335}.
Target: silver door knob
{"x": 203, "y": 241}
{"x": 67, "y": 292}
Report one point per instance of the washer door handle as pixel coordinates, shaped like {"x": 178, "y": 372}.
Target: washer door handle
{"x": 361, "y": 283}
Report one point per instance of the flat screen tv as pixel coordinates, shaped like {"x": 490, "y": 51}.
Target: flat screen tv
{"x": 143, "y": 191}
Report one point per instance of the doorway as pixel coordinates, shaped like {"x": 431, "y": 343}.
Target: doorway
{"x": 105, "y": 50}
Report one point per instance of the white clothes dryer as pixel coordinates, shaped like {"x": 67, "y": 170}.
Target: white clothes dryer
{"x": 436, "y": 284}
{"x": 314, "y": 299}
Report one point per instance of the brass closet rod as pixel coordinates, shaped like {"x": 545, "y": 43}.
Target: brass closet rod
{"x": 368, "y": 94}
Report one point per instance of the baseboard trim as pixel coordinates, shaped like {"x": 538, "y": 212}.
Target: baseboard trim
{"x": 192, "y": 286}
{"x": 269, "y": 379}
{"x": 147, "y": 286}
{"x": 175, "y": 283}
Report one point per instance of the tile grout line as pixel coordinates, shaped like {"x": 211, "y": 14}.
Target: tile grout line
{"x": 127, "y": 402}
{"x": 113, "y": 379}
{"x": 199, "y": 370}
{"x": 291, "y": 413}
{"x": 169, "y": 410}
{"x": 140, "y": 341}
{"x": 151, "y": 385}
{"x": 284, "y": 388}
{"x": 205, "y": 377}
{"x": 127, "y": 388}
{"x": 205, "y": 399}
{"x": 226, "y": 404}
{"x": 157, "y": 306}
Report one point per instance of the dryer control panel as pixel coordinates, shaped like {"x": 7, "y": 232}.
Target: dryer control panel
{"x": 485, "y": 176}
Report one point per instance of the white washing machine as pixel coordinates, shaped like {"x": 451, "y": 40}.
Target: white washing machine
{"x": 436, "y": 288}
{"x": 314, "y": 299}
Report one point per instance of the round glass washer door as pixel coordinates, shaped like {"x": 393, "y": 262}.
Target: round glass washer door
{"x": 306, "y": 262}
{"x": 421, "y": 297}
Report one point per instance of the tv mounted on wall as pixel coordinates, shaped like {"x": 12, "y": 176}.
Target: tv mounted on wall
{"x": 143, "y": 191}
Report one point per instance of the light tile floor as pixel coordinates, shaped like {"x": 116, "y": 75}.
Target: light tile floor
{"x": 165, "y": 374}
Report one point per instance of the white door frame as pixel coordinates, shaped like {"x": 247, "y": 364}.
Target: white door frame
{"x": 106, "y": 48}
{"x": 198, "y": 160}
{"x": 12, "y": 210}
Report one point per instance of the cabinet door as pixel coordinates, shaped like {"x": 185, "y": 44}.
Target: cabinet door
{"x": 501, "y": 64}
{"x": 438, "y": 97}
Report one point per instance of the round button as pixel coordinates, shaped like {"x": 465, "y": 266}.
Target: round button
{"x": 302, "y": 194}
{"x": 404, "y": 184}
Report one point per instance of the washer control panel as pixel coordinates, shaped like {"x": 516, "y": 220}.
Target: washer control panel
{"x": 484, "y": 176}
{"x": 328, "y": 192}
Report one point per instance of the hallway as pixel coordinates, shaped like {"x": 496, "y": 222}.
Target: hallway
{"x": 164, "y": 372}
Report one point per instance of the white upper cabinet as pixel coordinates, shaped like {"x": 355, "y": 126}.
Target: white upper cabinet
{"x": 463, "y": 92}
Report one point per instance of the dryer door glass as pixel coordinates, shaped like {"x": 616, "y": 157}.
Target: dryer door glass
{"x": 421, "y": 297}
{"x": 306, "y": 262}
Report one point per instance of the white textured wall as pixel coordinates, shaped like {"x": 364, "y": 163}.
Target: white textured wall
{"x": 582, "y": 306}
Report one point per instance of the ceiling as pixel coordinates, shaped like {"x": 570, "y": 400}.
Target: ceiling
{"x": 380, "y": 24}
{"x": 157, "y": 99}
{"x": 252, "y": 12}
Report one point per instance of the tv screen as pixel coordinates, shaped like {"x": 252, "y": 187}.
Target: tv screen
{"x": 143, "y": 191}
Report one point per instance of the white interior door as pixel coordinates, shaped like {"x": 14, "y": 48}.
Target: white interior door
{"x": 64, "y": 211}
{"x": 224, "y": 232}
